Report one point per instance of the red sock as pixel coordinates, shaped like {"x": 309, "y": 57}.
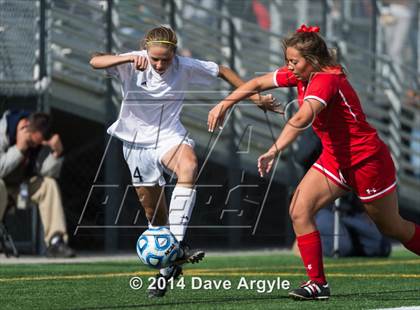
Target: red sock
{"x": 311, "y": 252}
{"x": 414, "y": 244}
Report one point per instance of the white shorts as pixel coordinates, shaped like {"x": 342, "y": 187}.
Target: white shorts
{"x": 146, "y": 163}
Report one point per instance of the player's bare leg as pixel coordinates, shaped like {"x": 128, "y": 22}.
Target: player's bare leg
{"x": 307, "y": 200}
{"x": 152, "y": 198}
{"x": 183, "y": 162}
{"x": 385, "y": 213}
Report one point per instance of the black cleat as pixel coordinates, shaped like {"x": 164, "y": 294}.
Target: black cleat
{"x": 188, "y": 255}
{"x": 161, "y": 286}
{"x": 311, "y": 291}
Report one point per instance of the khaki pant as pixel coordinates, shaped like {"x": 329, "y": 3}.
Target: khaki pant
{"x": 44, "y": 191}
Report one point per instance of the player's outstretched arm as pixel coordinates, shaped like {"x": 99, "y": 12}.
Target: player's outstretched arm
{"x": 245, "y": 90}
{"x": 103, "y": 61}
{"x": 293, "y": 128}
{"x": 262, "y": 101}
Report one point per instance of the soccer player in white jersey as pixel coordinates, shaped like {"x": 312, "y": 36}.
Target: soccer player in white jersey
{"x": 154, "y": 81}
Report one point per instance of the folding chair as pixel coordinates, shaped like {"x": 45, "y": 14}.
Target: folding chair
{"x": 6, "y": 242}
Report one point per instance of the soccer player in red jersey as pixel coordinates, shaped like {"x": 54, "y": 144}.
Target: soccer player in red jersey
{"x": 353, "y": 158}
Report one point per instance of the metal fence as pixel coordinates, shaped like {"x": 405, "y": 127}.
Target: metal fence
{"x": 20, "y": 25}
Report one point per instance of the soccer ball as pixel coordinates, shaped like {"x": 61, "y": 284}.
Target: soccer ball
{"x": 157, "y": 247}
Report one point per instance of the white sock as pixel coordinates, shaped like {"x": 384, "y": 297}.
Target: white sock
{"x": 180, "y": 209}
{"x": 152, "y": 227}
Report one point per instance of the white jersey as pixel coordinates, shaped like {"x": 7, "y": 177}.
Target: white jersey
{"x": 151, "y": 106}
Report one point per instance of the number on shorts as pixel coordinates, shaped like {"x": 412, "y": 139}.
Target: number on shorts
{"x": 137, "y": 174}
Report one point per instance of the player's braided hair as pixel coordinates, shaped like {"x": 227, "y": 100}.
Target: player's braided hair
{"x": 313, "y": 48}
{"x": 160, "y": 36}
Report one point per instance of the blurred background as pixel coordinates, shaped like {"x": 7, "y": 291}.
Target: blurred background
{"x": 45, "y": 48}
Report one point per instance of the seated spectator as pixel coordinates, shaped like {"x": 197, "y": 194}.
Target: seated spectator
{"x": 30, "y": 159}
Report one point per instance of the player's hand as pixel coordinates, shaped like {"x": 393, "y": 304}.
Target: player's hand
{"x": 55, "y": 144}
{"x": 265, "y": 101}
{"x": 265, "y": 162}
{"x": 23, "y": 136}
{"x": 216, "y": 117}
{"x": 268, "y": 103}
{"x": 140, "y": 62}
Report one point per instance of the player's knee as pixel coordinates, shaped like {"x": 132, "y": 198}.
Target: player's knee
{"x": 299, "y": 215}
{"x": 188, "y": 168}
{"x": 145, "y": 203}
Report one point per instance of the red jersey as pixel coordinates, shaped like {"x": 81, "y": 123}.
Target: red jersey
{"x": 341, "y": 125}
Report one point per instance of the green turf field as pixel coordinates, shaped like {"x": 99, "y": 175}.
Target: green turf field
{"x": 356, "y": 283}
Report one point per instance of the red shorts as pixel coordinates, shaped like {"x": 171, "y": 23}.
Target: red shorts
{"x": 371, "y": 179}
